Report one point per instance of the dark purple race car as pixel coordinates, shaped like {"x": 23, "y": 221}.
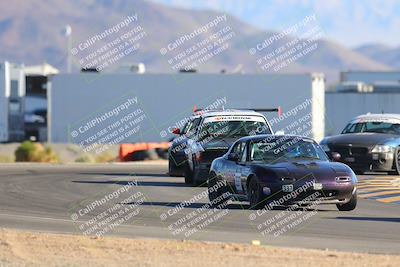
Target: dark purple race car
{"x": 280, "y": 170}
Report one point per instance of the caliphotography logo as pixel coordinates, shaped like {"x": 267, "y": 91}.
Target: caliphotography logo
{"x": 199, "y": 133}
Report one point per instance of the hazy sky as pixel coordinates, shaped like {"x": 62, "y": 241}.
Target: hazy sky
{"x": 350, "y": 22}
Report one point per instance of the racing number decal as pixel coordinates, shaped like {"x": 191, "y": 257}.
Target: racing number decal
{"x": 238, "y": 181}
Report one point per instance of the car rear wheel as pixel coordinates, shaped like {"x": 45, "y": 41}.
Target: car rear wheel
{"x": 196, "y": 180}
{"x": 351, "y": 205}
{"x": 170, "y": 169}
{"x": 218, "y": 193}
{"x": 188, "y": 176}
{"x": 254, "y": 193}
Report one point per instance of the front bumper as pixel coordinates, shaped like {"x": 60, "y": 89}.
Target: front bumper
{"x": 304, "y": 192}
{"x": 370, "y": 162}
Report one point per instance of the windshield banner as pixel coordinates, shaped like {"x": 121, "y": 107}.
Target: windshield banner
{"x": 234, "y": 118}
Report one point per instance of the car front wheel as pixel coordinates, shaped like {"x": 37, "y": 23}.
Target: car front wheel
{"x": 254, "y": 193}
{"x": 170, "y": 168}
{"x": 218, "y": 193}
{"x": 351, "y": 205}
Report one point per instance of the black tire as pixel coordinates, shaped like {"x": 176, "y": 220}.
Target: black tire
{"x": 351, "y": 205}
{"x": 197, "y": 180}
{"x": 255, "y": 194}
{"x": 218, "y": 198}
{"x": 396, "y": 163}
{"x": 194, "y": 175}
{"x": 170, "y": 170}
{"x": 358, "y": 172}
{"x": 188, "y": 176}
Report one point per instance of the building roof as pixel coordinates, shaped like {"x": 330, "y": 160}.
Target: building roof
{"x": 40, "y": 70}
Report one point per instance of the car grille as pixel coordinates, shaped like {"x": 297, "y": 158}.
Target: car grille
{"x": 349, "y": 150}
{"x": 324, "y": 194}
{"x": 328, "y": 193}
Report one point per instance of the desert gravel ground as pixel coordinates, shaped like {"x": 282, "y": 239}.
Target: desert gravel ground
{"x": 20, "y": 248}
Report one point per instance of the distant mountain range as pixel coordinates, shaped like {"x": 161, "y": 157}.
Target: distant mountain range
{"x": 383, "y": 54}
{"x": 31, "y": 32}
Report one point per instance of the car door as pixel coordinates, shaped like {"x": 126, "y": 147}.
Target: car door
{"x": 180, "y": 143}
{"x": 234, "y": 169}
{"x": 192, "y": 146}
{"x": 242, "y": 171}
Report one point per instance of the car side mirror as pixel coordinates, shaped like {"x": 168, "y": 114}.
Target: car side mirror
{"x": 233, "y": 157}
{"x": 335, "y": 156}
{"x": 176, "y": 131}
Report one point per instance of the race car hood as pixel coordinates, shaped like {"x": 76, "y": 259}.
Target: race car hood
{"x": 320, "y": 171}
{"x": 365, "y": 139}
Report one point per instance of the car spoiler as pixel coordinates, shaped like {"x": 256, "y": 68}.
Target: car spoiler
{"x": 278, "y": 109}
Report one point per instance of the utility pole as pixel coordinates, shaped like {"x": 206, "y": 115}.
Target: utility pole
{"x": 68, "y": 31}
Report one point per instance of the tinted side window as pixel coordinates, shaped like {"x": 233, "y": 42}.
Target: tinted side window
{"x": 244, "y": 153}
{"x": 186, "y": 127}
{"x": 196, "y": 123}
{"x": 239, "y": 148}
{"x": 190, "y": 126}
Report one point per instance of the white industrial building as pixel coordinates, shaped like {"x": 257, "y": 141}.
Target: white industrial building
{"x": 360, "y": 92}
{"x": 12, "y": 92}
{"x": 167, "y": 99}
{"x": 77, "y": 100}
{"x": 369, "y": 81}
{"x": 369, "y": 77}
{"x": 3, "y": 105}
{"x": 23, "y": 101}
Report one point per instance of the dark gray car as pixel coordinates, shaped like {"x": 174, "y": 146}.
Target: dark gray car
{"x": 369, "y": 142}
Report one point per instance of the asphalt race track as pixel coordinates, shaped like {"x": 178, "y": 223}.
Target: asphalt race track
{"x": 82, "y": 199}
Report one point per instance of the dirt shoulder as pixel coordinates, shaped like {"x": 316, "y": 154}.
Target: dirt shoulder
{"x": 20, "y": 248}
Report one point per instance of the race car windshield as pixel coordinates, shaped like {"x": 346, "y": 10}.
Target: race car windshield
{"x": 226, "y": 129}
{"x": 372, "y": 127}
{"x": 286, "y": 150}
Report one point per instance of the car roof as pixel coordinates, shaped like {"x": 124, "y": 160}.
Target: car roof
{"x": 385, "y": 116}
{"x": 226, "y": 112}
{"x": 273, "y": 136}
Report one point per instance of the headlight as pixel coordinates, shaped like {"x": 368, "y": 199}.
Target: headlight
{"x": 325, "y": 147}
{"x": 382, "y": 149}
{"x": 343, "y": 179}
